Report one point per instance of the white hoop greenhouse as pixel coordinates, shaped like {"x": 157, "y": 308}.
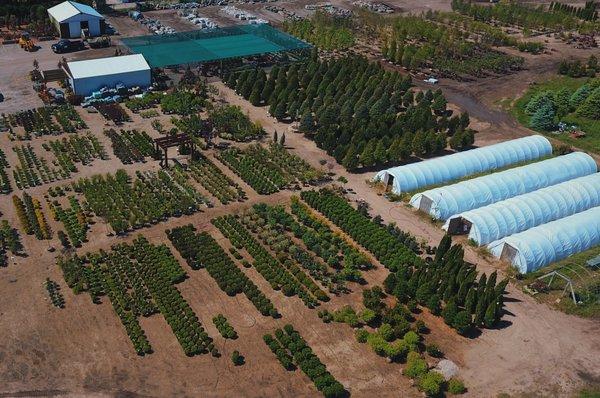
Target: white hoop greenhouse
{"x": 542, "y": 245}
{"x": 447, "y": 168}
{"x": 444, "y": 202}
{"x": 489, "y": 223}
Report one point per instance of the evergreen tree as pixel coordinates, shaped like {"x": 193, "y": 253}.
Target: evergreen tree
{"x": 449, "y": 312}
{"x": 590, "y": 108}
{"x": 350, "y": 161}
{"x": 418, "y": 143}
{"x": 543, "y": 118}
{"x": 255, "y": 96}
{"x": 439, "y": 105}
{"x": 480, "y": 309}
{"x": 380, "y": 153}
{"x": 490, "y": 317}
{"x": 367, "y": 157}
{"x": 433, "y": 303}
{"x": 282, "y": 140}
{"x": 280, "y": 111}
{"x": 443, "y": 248}
{"x": 464, "y": 120}
{"x": 462, "y": 322}
{"x": 471, "y": 301}
{"x": 579, "y": 96}
{"x": 307, "y": 123}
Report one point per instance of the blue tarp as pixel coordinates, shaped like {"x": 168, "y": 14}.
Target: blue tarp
{"x": 447, "y": 168}
{"x": 444, "y": 202}
{"x": 510, "y": 216}
{"x": 547, "y": 243}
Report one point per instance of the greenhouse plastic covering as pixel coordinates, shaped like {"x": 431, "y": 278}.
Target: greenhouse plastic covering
{"x": 447, "y": 201}
{"x": 447, "y": 168}
{"x": 493, "y": 222}
{"x": 547, "y": 243}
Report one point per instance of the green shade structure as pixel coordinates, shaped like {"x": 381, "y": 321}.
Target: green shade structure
{"x": 212, "y": 45}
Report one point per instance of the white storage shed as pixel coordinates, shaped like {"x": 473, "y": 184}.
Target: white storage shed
{"x": 70, "y": 18}
{"x": 93, "y": 74}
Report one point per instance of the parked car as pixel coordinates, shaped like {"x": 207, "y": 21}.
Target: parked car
{"x": 67, "y": 46}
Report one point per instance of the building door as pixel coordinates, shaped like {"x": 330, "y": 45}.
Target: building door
{"x": 85, "y": 25}
{"x": 64, "y": 31}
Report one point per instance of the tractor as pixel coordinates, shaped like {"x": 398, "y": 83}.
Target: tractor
{"x": 26, "y": 42}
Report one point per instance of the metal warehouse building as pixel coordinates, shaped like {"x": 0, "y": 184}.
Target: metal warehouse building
{"x": 444, "y": 202}
{"x": 70, "y": 18}
{"x": 91, "y": 75}
{"x": 447, "y": 168}
{"x": 489, "y": 223}
{"x": 542, "y": 245}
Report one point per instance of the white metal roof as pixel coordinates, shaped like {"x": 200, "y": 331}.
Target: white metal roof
{"x": 68, "y": 9}
{"x": 107, "y": 66}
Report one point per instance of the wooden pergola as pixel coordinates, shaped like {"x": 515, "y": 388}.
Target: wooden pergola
{"x": 164, "y": 143}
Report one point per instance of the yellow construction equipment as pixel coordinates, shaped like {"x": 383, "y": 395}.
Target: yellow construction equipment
{"x": 26, "y": 42}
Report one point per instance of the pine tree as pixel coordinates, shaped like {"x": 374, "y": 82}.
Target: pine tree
{"x": 282, "y": 140}
{"x": 367, "y": 157}
{"x": 280, "y": 111}
{"x": 350, "y": 160}
{"x": 380, "y": 153}
{"x": 307, "y": 123}
{"x": 418, "y": 143}
{"x": 255, "y": 96}
{"x": 394, "y": 152}
{"x": 439, "y": 105}
{"x": 275, "y": 137}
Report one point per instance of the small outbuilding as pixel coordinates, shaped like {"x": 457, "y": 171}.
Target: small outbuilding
{"x": 91, "y": 75}
{"x": 70, "y": 18}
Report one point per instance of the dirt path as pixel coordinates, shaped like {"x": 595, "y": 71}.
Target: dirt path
{"x": 536, "y": 342}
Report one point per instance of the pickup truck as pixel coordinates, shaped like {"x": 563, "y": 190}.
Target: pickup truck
{"x": 66, "y": 46}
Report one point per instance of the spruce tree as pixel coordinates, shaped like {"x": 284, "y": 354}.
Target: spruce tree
{"x": 255, "y": 96}
{"x": 307, "y": 123}
{"x": 351, "y": 160}
{"x": 380, "y": 153}
{"x": 367, "y": 157}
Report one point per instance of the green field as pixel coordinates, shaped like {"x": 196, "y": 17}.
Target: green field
{"x": 591, "y": 127}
